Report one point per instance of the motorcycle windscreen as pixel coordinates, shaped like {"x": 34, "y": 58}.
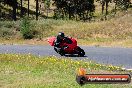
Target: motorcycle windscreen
{"x": 51, "y": 40}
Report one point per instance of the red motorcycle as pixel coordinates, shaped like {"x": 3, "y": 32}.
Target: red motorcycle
{"x": 68, "y": 48}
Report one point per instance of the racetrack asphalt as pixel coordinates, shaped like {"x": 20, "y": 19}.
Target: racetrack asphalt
{"x": 105, "y": 55}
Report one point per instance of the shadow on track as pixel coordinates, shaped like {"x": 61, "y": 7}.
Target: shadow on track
{"x": 73, "y": 55}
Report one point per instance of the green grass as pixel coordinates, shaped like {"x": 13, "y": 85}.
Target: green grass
{"x": 27, "y": 71}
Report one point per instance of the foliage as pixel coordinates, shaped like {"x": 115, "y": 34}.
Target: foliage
{"x": 122, "y": 4}
{"x": 69, "y": 9}
{"x": 6, "y": 29}
{"x": 6, "y": 33}
{"x": 47, "y": 3}
{"x": 74, "y": 9}
{"x": 26, "y": 29}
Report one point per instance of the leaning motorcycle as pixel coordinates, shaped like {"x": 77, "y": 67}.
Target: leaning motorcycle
{"x": 68, "y": 48}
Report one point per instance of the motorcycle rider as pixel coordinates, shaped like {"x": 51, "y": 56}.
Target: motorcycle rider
{"x": 61, "y": 38}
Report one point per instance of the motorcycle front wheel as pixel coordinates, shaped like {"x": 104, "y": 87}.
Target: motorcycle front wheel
{"x": 60, "y": 51}
{"x": 81, "y": 52}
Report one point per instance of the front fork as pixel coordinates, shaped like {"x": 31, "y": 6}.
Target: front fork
{"x": 77, "y": 49}
{"x": 59, "y": 50}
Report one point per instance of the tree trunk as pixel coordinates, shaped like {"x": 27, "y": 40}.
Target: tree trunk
{"x": 115, "y": 6}
{"x": 107, "y": 8}
{"x": 21, "y": 8}
{"x": 47, "y": 12}
{"x": 37, "y": 4}
{"x": 103, "y": 4}
{"x": 14, "y": 9}
{"x": 28, "y": 8}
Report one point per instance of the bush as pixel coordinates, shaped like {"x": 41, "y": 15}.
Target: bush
{"x": 26, "y": 29}
{"x": 123, "y": 4}
{"x": 6, "y": 33}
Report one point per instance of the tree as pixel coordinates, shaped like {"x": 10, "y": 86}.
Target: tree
{"x": 122, "y": 4}
{"x": 47, "y": 5}
{"x": 21, "y": 8}
{"x": 28, "y": 7}
{"x": 37, "y": 4}
{"x": 14, "y": 9}
{"x": 74, "y": 9}
{"x": 105, "y": 4}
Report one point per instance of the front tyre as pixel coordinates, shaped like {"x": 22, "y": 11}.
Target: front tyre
{"x": 81, "y": 52}
{"x": 60, "y": 51}
{"x": 55, "y": 49}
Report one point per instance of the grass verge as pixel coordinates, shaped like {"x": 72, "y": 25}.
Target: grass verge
{"x": 29, "y": 71}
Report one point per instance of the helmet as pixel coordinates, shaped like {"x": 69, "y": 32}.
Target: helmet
{"x": 61, "y": 34}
